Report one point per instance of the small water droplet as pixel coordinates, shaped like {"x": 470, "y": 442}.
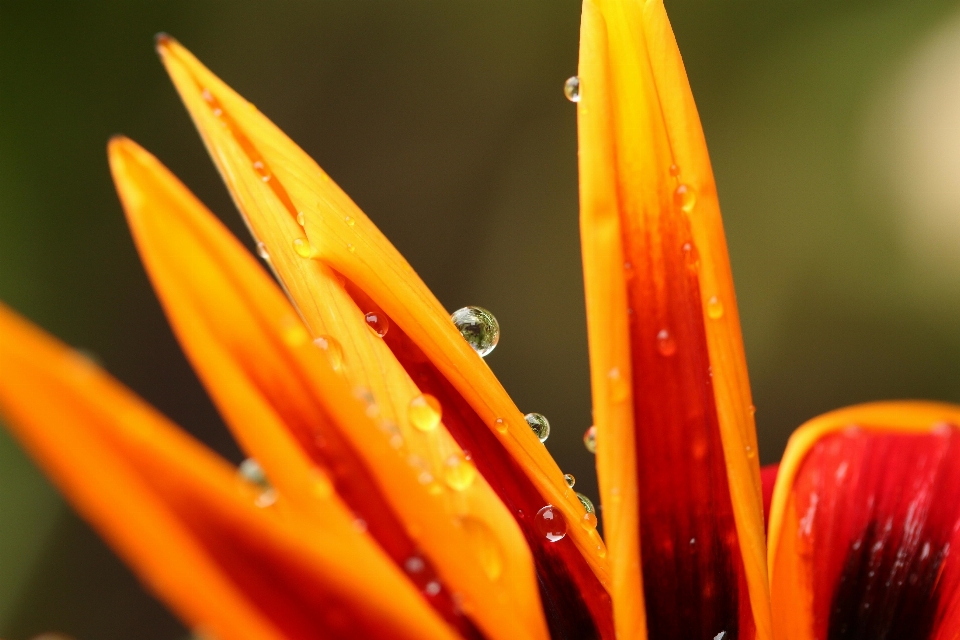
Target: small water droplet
{"x": 332, "y": 349}
{"x": 674, "y": 170}
{"x": 714, "y": 308}
{"x": 720, "y": 636}
{"x": 685, "y": 198}
{"x": 300, "y": 218}
{"x": 753, "y": 410}
{"x": 691, "y": 257}
{"x": 359, "y": 525}
{"x": 424, "y": 412}
{"x": 261, "y": 170}
{"x": 666, "y": 345}
{"x": 571, "y": 89}
{"x": 539, "y": 424}
{"x": 619, "y": 389}
{"x": 485, "y": 547}
{"x": 262, "y": 251}
{"x": 351, "y": 248}
{"x": 377, "y": 322}
{"x": 693, "y": 541}
{"x": 414, "y": 564}
{"x": 501, "y": 425}
{"x": 551, "y": 523}
{"x": 590, "y": 439}
{"x": 293, "y": 332}
{"x": 587, "y": 504}
{"x": 478, "y": 327}
{"x": 303, "y": 248}
{"x": 589, "y": 521}
{"x": 251, "y": 471}
{"x": 350, "y": 221}
{"x": 432, "y": 588}
{"x": 751, "y": 454}
{"x": 569, "y": 479}
{"x": 459, "y": 471}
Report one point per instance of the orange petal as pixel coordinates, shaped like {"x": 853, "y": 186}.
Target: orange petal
{"x": 679, "y": 477}
{"x": 864, "y": 523}
{"x": 184, "y": 520}
{"x": 355, "y": 270}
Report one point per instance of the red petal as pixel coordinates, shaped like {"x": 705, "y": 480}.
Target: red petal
{"x": 768, "y": 478}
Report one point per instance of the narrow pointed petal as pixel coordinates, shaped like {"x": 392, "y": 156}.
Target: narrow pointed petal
{"x": 299, "y": 418}
{"x": 185, "y": 522}
{"x": 768, "y": 478}
{"x": 338, "y": 268}
{"x": 679, "y": 478}
{"x": 865, "y": 525}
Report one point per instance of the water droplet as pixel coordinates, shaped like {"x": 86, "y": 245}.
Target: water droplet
{"x": 293, "y": 332}
{"x": 414, "y": 564}
{"x": 693, "y": 541}
{"x": 332, "y": 349}
{"x": 590, "y": 439}
{"x": 485, "y": 547}
{"x": 587, "y": 504}
{"x": 751, "y": 454}
{"x": 571, "y": 89}
{"x": 691, "y": 257}
{"x": 378, "y": 322}
{"x": 619, "y": 389}
{"x": 720, "y": 636}
{"x": 551, "y": 523}
{"x": 753, "y": 410}
{"x": 359, "y": 525}
{"x": 589, "y": 521}
{"x": 424, "y": 412}
{"x": 351, "y": 248}
{"x": 666, "y": 344}
{"x": 303, "y": 248}
{"x": 714, "y": 308}
{"x": 569, "y": 479}
{"x": 350, "y": 221}
{"x": 432, "y": 588}
{"x": 539, "y": 424}
{"x": 501, "y": 425}
{"x": 300, "y": 218}
{"x": 251, "y": 471}
{"x": 459, "y": 471}
{"x": 685, "y": 198}
{"x": 262, "y": 251}
{"x": 478, "y": 327}
{"x": 261, "y": 170}
{"x": 674, "y": 170}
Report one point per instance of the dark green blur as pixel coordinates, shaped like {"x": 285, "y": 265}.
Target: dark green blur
{"x": 446, "y": 123}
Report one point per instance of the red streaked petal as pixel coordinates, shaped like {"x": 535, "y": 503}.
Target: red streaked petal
{"x": 768, "y": 478}
{"x": 676, "y": 450}
{"x": 865, "y": 520}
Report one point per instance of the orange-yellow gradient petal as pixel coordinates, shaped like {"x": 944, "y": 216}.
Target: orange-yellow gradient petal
{"x": 182, "y": 518}
{"x": 676, "y": 447}
{"x": 338, "y": 269}
{"x": 301, "y": 420}
{"x": 864, "y": 525}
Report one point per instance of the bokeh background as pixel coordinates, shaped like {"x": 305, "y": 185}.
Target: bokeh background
{"x": 834, "y": 129}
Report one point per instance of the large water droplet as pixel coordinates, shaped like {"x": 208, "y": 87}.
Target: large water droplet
{"x": 551, "y": 523}
{"x": 571, "y": 89}
{"x": 478, "y": 327}
{"x": 332, "y": 349}
{"x": 377, "y": 321}
{"x": 714, "y": 308}
{"x": 590, "y": 439}
{"x": 539, "y": 424}
{"x": 685, "y": 197}
{"x": 459, "y": 472}
{"x": 569, "y": 479}
{"x": 666, "y": 344}
{"x": 424, "y": 412}
{"x": 587, "y": 504}
{"x": 303, "y": 248}
{"x": 485, "y": 547}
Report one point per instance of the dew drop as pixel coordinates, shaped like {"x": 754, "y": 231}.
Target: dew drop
{"x": 414, "y": 564}
{"x": 691, "y": 257}
{"x": 262, "y": 251}
{"x": 300, "y": 218}
{"x": 501, "y": 425}
{"x": 619, "y": 389}
{"x": 590, "y": 439}
{"x": 589, "y": 521}
{"x": 459, "y": 471}
{"x": 351, "y": 248}
{"x": 720, "y": 636}
{"x": 551, "y": 523}
{"x": 251, "y": 471}
{"x": 539, "y": 424}
{"x": 571, "y": 89}
{"x": 303, "y": 248}
{"x": 666, "y": 344}
{"x": 377, "y": 322}
{"x": 751, "y": 454}
{"x": 424, "y": 412}
{"x": 485, "y": 547}
{"x": 332, "y": 349}
{"x": 587, "y": 504}
{"x": 478, "y": 327}
{"x": 261, "y": 170}
{"x": 714, "y": 308}
{"x": 432, "y": 588}
{"x": 350, "y": 221}
{"x": 685, "y": 198}
{"x": 569, "y": 479}
{"x": 359, "y": 525}
{"x": 674, "y": 170}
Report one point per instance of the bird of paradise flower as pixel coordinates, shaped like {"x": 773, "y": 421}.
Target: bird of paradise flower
{"x": 408, "y": 497}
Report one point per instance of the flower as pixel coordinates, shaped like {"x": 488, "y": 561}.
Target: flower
{"x": 394, "y": 489}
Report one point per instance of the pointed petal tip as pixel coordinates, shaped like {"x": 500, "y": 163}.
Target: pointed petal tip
{"x": 161, "y": 40}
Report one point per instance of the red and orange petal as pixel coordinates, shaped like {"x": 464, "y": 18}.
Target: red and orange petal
{"x": 864, "y": 524}
{"x": 183, "y": 519}
{"x": 676, "y": 448}
{"x": 338, "y": 268}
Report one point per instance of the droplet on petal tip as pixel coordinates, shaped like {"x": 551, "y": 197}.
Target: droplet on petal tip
{"x": 571, "y": 89}
{"x": 550, "y": 523}
{"x": 478, "y": 327}
{"x": 539, "y": 424}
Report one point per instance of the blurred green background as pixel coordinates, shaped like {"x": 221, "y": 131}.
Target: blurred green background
{"x": 834, "y": 130}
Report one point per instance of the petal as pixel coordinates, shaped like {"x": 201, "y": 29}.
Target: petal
{"x": 291, "y": 411}
{"x": 768, "y": 478}
{"x": 676, "y": 448}
{"x": 183, "y": 520}
{"x": 343, "y": 267}
{"x": 866, "y": 513}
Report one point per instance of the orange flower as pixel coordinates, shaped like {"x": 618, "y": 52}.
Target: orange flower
{"x": 395, "y": 491}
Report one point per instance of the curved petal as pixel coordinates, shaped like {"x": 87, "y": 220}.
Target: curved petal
{"x": 338, "y": 268}
{"x": 865, "y": 518}
{"x": 676, "y": 448}
{"x": 768, "y": 479}
{"x": 185, "y": 522}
